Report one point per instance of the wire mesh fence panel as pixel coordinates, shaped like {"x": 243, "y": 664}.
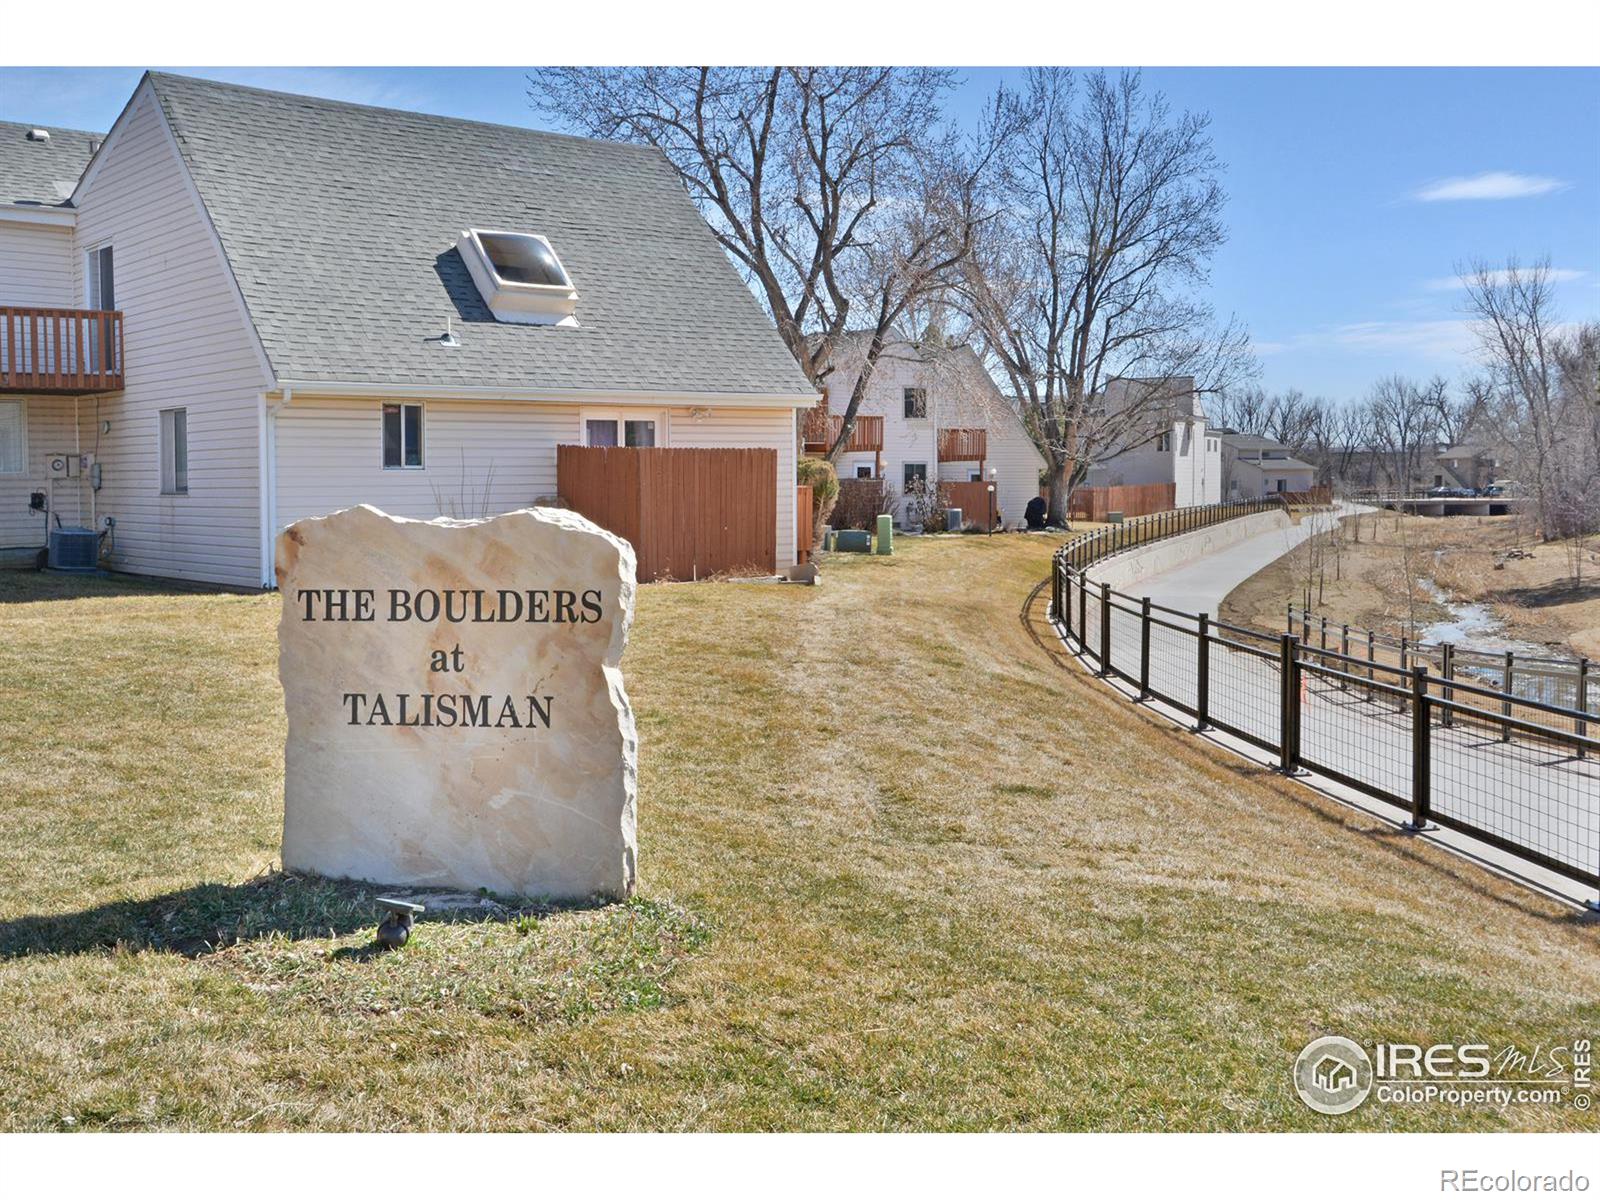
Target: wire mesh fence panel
{"x": 1088, "y": 601}
{"x": 1125, "y": 624}
{"x": 1173, "y": 663}
{"x": 1243, "y": 697}
{"x": 1531, "y": 793}
{"x": 1348, "y": 737}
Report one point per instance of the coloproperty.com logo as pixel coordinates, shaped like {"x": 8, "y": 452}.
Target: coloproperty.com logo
{"x": 1335, "y": 1075}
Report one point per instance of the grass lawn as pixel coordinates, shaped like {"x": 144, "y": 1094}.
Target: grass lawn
{"x": 901, "y": 868}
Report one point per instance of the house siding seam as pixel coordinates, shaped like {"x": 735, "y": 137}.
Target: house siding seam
{"x": 36, "y": 265}
{"x": 186, "y": 345}
{"x": 480, "y": 457}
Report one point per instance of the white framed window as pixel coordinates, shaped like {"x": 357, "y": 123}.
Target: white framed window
{"x": 914, "y": 475}
{"x": 402, "y": 437}
{"x": 615, "y": 428}
{"x": 100, "y": 278}
{"x": 13, "y": 437}
{"x": 175, "y": 452}
{"x": 916, "y": 403}
{"x": 974, "y": 475}
{"x": 863, "y": 470}
{"x": 1164, "y": 443}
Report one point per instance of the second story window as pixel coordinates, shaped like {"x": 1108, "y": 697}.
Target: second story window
{"x": 916, "y": 403}
{"x": 402, "y": 437}
{"x": 102, "y": 279}
{"x": 1164, "y": 443}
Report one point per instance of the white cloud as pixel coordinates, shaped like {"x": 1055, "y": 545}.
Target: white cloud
{"x": 1432, "y": 339}
{"x": 1454, "y": 282}
{"x": 1489, "y": 185}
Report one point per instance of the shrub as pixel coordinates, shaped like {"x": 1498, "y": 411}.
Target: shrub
{"x": 861, "y": 501}
{"x": 824, "y": 481}
{"x": 924, "y": 506}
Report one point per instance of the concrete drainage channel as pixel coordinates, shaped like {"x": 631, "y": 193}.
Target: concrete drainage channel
{"x": 1517, "y": 793}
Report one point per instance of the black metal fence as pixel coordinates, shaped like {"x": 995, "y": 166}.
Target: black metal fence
{"x": 1516, "y": 772}
{"x": 1563, "y": 681}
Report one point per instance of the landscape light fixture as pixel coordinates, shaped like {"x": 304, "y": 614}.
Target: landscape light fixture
{"x": 395, "y": 928}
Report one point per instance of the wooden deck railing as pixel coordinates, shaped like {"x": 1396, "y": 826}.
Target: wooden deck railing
{"x": 821, "y": 428}
{"x": 959, "y": 445}
{"x": 60, "y": 350}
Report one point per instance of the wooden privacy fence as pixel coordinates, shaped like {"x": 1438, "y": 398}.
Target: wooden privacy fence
{"x": 973, "y": 499}
{"x": 688, "y": 513}
{"x": 1131, "y": 500}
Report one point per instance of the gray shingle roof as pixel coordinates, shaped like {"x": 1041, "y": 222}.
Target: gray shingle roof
{"x": 42, "y": 172}
{"x": 340, "y": 223}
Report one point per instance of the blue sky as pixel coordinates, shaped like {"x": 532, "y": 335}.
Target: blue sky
{"x": 1353, "y": 193}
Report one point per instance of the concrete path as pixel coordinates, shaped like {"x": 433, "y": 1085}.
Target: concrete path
{"x": 1526, "y": 791}
{"x": 1201, "y": 585}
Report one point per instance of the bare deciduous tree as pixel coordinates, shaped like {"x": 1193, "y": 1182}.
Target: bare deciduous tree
{"x": 1108, "y": 210}
{"x": 1538, "y": 389}
{"x": 835, "y": 189}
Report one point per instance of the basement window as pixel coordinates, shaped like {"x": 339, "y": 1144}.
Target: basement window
{"x": 519, "y": 276}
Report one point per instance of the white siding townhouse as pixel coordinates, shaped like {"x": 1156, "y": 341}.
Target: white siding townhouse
{"x": 933, "y": 417}
{"x": 1259, "y": 466}
{"x": 1173, "y": 445}
{"x": 322, "y": 304}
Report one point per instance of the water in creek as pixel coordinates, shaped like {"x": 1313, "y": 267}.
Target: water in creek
{"x": 1475, "y": 626}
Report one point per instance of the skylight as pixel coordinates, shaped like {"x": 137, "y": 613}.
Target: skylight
{"x": 519, "y": 277}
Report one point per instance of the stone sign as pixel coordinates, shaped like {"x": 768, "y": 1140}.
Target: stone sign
{"x": 456, "y": 710}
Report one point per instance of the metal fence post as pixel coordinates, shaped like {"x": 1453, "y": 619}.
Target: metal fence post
{"x": 1288, "y": 621}
{"x": 1421, "y": 743}
{"x": 1289, "y": 703}
{"x": 1144, "y": 648}
{"x": 1505, "y": 686}
{"x": 1202, "y": 674}
{"x": 1447, "y": 668}
{"x": 1582, "y": 703}
{"x": 1344, "y": 649}
{"x": 1105, "y": 629}
{"x": 1083, "y": 611}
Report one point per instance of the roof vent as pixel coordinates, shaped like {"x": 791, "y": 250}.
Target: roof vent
{"x": 38, "y": 135}
{"x": 519, "y": 277}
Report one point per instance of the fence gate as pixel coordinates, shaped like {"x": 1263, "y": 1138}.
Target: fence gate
{"x": 688, "y": 513}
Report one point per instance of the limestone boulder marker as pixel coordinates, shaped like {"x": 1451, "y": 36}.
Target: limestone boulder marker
{"x": 456, "y": 709}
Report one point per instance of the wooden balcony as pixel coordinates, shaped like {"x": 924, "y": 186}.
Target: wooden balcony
{"x": 820, "y": 428}
{"x": 960, "y": 445}
{"x": 60, "y": 351}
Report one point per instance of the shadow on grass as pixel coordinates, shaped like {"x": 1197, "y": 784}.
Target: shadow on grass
{"x": 208, "y": 917}
{"x": 1547, "y": 595}
{"x": 24, "y": 585}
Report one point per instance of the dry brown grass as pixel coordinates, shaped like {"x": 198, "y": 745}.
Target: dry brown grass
{"x": 1534, "y": 597}
{"x": 901, "y": 868}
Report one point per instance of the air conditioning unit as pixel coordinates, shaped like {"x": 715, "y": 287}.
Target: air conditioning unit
{"x": 74, "y": 548}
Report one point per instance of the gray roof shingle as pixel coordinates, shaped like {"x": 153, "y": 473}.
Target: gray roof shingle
{"x": 42, "y": 172}
{"x": 340, "y": 222}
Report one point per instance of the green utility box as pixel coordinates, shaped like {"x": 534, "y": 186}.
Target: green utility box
{"x": 1114, "y": 518}
{"x": 885, "y": 534}
{"x": 853, "y": 541}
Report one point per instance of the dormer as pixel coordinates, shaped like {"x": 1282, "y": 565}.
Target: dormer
{"x": 519, "y": 276}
